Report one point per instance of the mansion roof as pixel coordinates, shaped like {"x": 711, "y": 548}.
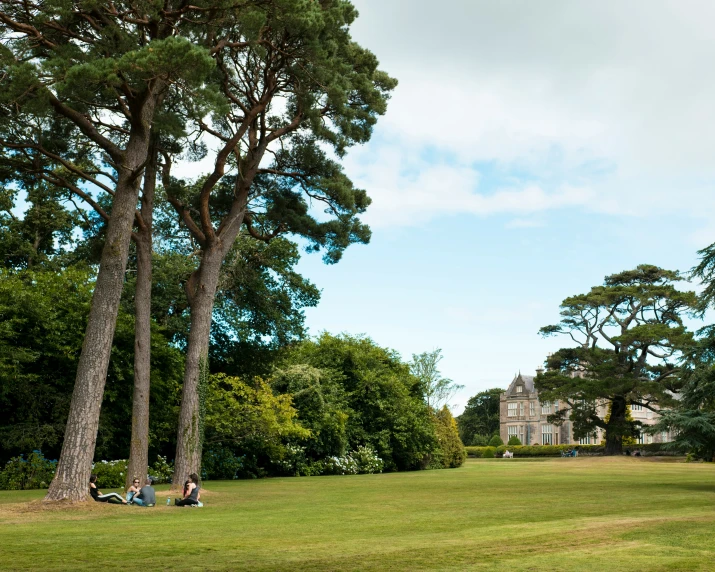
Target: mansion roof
{"x": 527, "y": 381}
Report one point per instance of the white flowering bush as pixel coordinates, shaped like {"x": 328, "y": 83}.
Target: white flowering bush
{"x": 161, "y": 471}
{"x": 344, "y": 465}
{"x": 110, "y": 474}
{"x": 362, "y": 460}
{"x": 367, "y": 460}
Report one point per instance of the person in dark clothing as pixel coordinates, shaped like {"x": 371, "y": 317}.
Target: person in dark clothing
{"x": 191, "y": 493}
{"x": 112, "y": 498}
{"x": 146, "y": 495}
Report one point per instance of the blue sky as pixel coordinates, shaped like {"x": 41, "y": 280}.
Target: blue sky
{"x": 530, "y": 150}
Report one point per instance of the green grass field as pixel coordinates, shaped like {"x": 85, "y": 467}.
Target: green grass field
{"x": 553, "y": 514}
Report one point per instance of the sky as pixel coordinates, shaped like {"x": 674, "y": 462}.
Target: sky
{"x": 530, "y": 149}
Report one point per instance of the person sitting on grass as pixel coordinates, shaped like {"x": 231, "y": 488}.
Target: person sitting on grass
{"x": 133, "y": 490}
{"x": 112, "y": 498}
{"x": 146, "y": 495}
{"x": 191, "y": 492}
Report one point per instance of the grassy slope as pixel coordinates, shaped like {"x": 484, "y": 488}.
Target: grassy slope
{"x": 552, "y": 514}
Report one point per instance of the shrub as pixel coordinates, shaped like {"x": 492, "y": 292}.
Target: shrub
{"x": 555, "y": 450}
{"x": 367, "y": 460}
{"x": 110, "y": 474}
{"x": 344, "y": 465}
{"x": 514, "y": 440}
{"x": 451, "y": 450}
{"x": 495, "y": 441}
{"x": 35, "y": 472}
{"x": 220, "y": 463}
{"x": 161, "y": 471}
{"x": 480, "y": 440}
{"x": 488, "y": 452}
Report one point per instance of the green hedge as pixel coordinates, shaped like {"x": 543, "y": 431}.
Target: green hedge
{"x": 555, "y": 450}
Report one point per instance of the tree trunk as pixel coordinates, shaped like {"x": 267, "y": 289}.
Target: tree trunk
{"x": 139, "y": 447}
{"x": 201, "y": 291}
{"x": 71, "y": 481}
{"x": 615, "y": 427}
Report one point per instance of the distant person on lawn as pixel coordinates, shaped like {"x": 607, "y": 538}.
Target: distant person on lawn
{"x": 133, "y": 490}
{"x": 146, "y": 495}
{"x": 191, "y": 492}
{"x": 97, "y": 495}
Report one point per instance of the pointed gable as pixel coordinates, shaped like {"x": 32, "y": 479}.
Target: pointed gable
{"x": 520, "y": 385}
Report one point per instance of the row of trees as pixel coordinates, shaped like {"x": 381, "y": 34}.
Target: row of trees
{"x": 99, "y": 102}
{"x": 285, "y": 412}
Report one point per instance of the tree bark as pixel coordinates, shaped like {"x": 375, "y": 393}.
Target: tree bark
{"x": 201, "y": 291}
{"x": 71, "y": 481}
{"x": 615, "y": 425}
{"x": 139, "y": 446}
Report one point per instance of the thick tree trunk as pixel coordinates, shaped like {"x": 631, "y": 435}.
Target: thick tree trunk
{"x": 139, "y": 447}
{"x": 71, "y": 481}
{"x": 201, "y": 291}
{"x": 615, "y": 426}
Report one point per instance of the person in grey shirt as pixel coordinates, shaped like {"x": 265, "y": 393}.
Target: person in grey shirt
{"x": 146, "y": 495}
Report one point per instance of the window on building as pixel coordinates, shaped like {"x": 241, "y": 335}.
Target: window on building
{"x": 532, "y": 408}
{"x": 641, "y": 439}
{"x": 588, "y": 440}
{"x": 521, "y": 435}
{"x": 556, "y": 406}
{"x": 519, "y": 388}
{"x": 649, "y": 439}
{"x": 512, "y": 431}
{"x": 511, "y": 409}
{"x": 546, "y": 408}
{"x": 635, "y": 407}
{"x": 664, "y": 437}
{"x": 547, "y": 434}
{"x": 521, "y": 408}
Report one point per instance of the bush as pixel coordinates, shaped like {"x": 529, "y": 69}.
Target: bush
{"x": 161, "y": 471}
{"x": 480, "y": 441}
{"x": 495, "y": 441}
{"x": 220, "y": 463}
{"x": 514, "y": 440}
{"x": 488, "y": 452}
{"x": 450, "y": 453}
{"x": 344, "y": 465}
{"x": 35, "y": 472}
{"x": 367, "y": 460}
{"x": 555, "y": 450}
{"x": 110, "y": 474}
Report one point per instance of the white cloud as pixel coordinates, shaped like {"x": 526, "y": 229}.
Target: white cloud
{"x": 407, "y": 194}
{"x": 612, "y": 97}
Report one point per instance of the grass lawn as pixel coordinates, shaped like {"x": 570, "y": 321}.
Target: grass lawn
{"x": 492, "y": 514}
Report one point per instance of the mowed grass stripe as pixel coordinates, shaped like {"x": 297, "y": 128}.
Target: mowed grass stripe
{"x": 554, "y": 514}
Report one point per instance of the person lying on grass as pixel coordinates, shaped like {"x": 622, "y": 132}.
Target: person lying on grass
{"x": 191, "y": 492}
{"x": 133, "y": 490}
{"x": 146, "y": 496}
{"x": 112, "y": 498}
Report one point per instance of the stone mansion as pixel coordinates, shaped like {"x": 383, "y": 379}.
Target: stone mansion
{"x": 522, "y": 414}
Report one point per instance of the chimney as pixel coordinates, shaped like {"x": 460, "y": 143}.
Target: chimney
{"x": 539, "y": 370}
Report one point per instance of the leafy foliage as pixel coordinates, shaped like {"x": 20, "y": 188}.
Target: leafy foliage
{"x": 42, "y": 317}
{"x": 249, "y": 415}
{"x": 35, "y": 472}
{"x": 692, "y": 419}
{"x": 480, "y": 418}
{"x": 451, "y": 449}
{"x": 438, "y": 390}
{"x": 638, "y": 316}
{"x": 495, "y": 441}
{"x": 382, "y": 402}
